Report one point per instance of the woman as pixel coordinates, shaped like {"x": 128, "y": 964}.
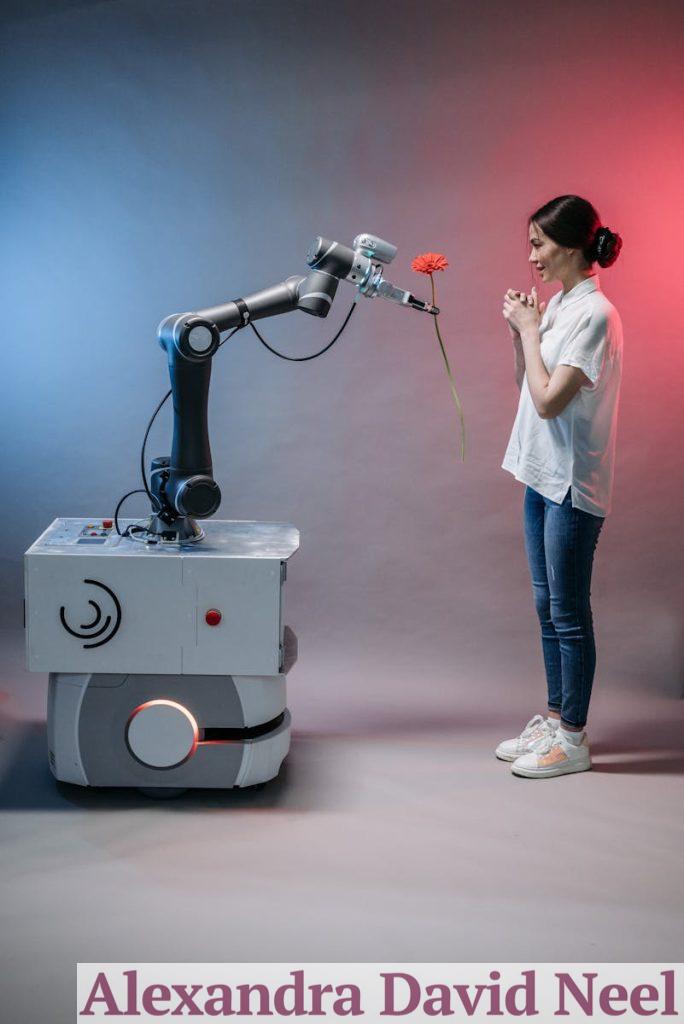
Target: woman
{"x": 568, "y": 360}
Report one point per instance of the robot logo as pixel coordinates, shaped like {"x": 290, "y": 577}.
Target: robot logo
{"x": 108, "y": 628}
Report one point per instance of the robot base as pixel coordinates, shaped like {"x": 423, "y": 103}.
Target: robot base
{"x": 155, "y": 732}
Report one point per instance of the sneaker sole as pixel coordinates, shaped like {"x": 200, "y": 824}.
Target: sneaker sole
{"x": 508, "y": 757}
{"x": 549, "y": 773}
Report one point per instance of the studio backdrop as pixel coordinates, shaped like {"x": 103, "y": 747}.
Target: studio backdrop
{"x": 162, "y": 157}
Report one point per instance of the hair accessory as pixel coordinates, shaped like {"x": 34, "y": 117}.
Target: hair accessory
{"x": 606, "y": 247}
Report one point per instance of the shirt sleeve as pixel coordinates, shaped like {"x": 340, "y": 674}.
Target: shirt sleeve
{"x": 588, "y": 346}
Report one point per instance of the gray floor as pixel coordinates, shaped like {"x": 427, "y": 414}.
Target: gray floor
{"x": 393, "y": 834}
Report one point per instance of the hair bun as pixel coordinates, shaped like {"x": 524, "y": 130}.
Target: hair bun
{"x": 606, "y": 247}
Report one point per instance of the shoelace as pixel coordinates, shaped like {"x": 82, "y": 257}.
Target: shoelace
{"x": 534, "y": 723}
{"x": 545, "y": 743}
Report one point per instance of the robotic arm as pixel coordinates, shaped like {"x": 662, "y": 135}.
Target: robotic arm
{"x": 183, "y": 486}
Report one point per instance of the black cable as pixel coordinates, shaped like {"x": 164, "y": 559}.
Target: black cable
{"x": 304, "y": 359}
{"x": 148, "y": 492}
{"x": 281, "y": 355}
{"x": 145, "y": 489}
{"x": 138, "y": 490}
{"x": 153, "y": 498}
{"x": 229, "y": 336}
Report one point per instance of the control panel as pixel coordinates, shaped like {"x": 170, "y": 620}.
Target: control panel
{"x": 96, "y": 532}
{"x": 88, "y": 532}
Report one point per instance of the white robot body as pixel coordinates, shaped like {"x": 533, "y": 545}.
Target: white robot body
{"x": 167, "y": 664}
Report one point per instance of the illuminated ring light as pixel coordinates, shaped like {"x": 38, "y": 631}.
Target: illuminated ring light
{"x": 161, "y": 734}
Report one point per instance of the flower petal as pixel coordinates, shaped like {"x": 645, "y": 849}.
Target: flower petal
{"x": 429, "y": 263}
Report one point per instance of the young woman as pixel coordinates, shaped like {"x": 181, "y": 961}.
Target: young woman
{"x": 568, "y": 360}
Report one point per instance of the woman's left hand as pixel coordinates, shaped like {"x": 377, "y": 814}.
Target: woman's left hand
{"x": 523, "y": 313}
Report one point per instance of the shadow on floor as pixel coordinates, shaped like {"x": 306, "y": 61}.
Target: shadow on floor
{"x": 308, "y": 779}
{"x": 672, "y": 765}
{"x": 26, "y": 783}
{"x": 642, "y": 759}
{"x": 643, "y": 747}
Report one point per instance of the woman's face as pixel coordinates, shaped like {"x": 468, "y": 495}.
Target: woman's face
{"x": 551, "y": 260}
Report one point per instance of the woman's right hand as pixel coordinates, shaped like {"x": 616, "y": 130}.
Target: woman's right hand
{"x": 513, "y": 294}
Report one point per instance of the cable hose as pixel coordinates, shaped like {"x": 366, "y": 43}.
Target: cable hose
{"x": 281, "y": 355}
{"x": 304, "y": 359}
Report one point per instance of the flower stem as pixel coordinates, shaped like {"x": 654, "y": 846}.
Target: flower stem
{"x": 449, "y": 373}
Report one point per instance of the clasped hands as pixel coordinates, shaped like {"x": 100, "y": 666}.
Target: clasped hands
{"x": 522, "y": 312}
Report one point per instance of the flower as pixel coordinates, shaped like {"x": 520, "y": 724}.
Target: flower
{"x": 429, "y": 262}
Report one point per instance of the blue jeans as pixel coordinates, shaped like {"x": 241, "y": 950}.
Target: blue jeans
{"x": 560, "y": 541}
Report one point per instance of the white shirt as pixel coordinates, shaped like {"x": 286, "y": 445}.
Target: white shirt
{"x": 575, "y": 449}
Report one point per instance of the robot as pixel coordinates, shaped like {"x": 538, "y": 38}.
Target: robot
{"x": 187, "y": 691}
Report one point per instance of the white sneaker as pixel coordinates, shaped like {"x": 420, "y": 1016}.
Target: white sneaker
{"x": 536, "y": 729}
{"x": 553, "y": 755}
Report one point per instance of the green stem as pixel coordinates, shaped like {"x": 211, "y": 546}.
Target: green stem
{"x": 449, "y": 373}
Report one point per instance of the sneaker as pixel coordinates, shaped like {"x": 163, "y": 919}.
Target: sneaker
{"x": 553, "y": 755}
{"x": 536, "y": 729}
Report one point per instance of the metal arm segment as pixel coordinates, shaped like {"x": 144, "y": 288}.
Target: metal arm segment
{"x": 183, "y": 485}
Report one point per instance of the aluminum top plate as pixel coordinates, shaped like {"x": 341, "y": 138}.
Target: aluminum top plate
{"x": 230, "y": 538}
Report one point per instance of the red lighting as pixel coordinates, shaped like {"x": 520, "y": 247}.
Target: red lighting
{"x": 162, "y": 701}
{"x": 212, "y": 617}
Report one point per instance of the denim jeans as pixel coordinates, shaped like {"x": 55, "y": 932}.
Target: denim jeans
{"x": 560, "y": 541}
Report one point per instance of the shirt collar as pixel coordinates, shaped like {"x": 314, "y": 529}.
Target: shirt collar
{"x": 590, "y": 284}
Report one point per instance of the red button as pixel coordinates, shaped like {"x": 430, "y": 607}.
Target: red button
{"x": 107, "y": 523}
{"x": 213, "y": 617}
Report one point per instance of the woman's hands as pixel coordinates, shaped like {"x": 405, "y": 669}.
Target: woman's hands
{"x": 522, "y": 312}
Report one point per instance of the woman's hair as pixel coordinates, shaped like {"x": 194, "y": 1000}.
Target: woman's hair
{"x": 572, "y": 221}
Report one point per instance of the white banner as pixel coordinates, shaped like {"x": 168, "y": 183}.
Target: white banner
{"x": 568, "y": 993}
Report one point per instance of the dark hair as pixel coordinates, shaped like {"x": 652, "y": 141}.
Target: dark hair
{"x": 572, "y": 221}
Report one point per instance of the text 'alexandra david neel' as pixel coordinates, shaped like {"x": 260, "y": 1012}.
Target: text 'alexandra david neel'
{"x": 415, "y": 992}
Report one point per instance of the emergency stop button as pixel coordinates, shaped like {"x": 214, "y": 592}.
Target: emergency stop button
{"x": 212, "y": 617}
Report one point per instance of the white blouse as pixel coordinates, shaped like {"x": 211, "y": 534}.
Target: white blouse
{"x": 575, "y": 449}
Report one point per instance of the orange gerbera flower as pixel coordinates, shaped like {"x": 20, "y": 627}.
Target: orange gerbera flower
{"x": 429, "y": 262}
